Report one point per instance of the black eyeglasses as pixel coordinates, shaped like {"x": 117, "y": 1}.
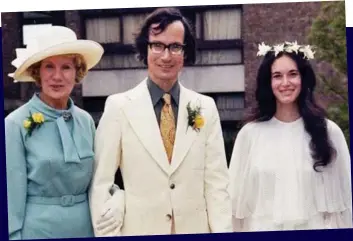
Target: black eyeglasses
{"x": 174, "y": 48}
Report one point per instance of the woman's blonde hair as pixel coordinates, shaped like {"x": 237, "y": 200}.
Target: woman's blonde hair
{"x": 79, "y": 63}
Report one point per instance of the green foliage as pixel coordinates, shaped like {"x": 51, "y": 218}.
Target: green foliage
{"x": 339, "y": 114}
{"x": 328, "y": 36}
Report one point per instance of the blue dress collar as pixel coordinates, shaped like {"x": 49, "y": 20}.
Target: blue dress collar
{"x": 76, "y": 144}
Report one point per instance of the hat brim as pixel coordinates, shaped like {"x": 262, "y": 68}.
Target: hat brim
{"x": 91, "y": 52}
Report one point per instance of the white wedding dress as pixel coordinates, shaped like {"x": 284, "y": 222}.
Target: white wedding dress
{"x": 273, "y": 183}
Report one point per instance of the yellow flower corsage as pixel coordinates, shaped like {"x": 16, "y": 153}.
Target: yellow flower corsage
{"x": 195, "y": 119}
{"x": 35, "y": 120}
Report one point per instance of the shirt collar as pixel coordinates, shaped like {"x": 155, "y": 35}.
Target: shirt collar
{"x": 157, "y": 93}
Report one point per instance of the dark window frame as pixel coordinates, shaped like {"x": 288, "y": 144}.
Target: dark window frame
{"x": 188, "y": 11}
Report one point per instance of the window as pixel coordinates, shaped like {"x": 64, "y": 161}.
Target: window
{"x": 131, "y": 24}
{"x": 115, "y": 30}
{"x": 33, "y": 22}
{"x": 230, "y": 105}
{"x": 219, "y": 45}
{"x": 229, "y": 19}
{"x": 103, "y": 30}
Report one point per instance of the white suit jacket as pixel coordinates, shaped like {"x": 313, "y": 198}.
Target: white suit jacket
{"x": 194, "y": 186}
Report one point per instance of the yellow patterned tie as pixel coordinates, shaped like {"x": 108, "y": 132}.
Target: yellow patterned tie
{"x": 167, "y": 126}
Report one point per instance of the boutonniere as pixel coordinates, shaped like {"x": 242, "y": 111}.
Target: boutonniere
{"x": 32, "y": 122}
{"x": 195, "y": 119}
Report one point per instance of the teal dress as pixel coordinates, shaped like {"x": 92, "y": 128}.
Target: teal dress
{"x": 49, "y": 172}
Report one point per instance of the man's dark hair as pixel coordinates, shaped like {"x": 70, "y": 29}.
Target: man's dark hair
{"x": 164, "y": 17}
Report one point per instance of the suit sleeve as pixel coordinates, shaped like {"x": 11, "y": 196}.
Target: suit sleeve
{"x": 216, "y": 178}
{"x": 16, "y": 174}
{"x": 107, "y": 160}
{"x": 93, "y": 127}
{"x": 93, "y": 131}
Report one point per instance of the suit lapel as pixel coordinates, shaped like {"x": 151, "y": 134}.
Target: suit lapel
{"x": 140, "y": 114}
{"x": 185, "y": 136}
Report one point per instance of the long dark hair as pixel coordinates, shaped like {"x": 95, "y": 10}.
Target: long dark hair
{"x": 164, "y": 17}
{"x": 314, "y": 116}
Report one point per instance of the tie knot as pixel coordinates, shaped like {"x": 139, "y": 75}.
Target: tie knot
{"x": 167, "y": 98}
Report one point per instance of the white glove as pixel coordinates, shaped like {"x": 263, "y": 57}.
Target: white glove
{"x": 112, "y": 215}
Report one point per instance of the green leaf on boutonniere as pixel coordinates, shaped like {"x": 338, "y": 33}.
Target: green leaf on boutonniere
{"x": 195, "y": 119}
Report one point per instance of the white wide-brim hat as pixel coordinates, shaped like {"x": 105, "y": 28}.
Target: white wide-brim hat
{"x": 52, "y": 41}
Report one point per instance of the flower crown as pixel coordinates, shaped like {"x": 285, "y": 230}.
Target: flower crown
{"x": 288, "y": 47}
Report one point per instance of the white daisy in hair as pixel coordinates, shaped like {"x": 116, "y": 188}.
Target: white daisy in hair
{"x": 263, "y": 49}
{"x": 292, "y": 47}
{"x": 278, "y": 48}
{"x": 288, "y": 47}
{"x": 308, "y": 53}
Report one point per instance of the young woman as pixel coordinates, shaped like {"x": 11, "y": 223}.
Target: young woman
{"x": 290, "y": 167}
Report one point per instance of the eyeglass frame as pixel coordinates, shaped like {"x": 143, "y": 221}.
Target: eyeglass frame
{"x": 167, "y": 46}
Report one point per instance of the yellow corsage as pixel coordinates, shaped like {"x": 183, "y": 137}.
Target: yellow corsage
{"x": 195, "y": 119}
{"x": 35, "y": 120}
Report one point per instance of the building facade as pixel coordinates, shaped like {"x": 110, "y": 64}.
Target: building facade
{"x": 226, "y": 65}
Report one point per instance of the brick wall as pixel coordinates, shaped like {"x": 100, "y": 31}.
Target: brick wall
{"x": 272, "y": 23}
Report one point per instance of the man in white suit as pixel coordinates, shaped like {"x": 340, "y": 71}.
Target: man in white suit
{"x": 167, "y": 141}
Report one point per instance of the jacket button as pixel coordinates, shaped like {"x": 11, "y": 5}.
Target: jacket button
{"x": 172, "y": 186}
{"x": 169, "y": 217}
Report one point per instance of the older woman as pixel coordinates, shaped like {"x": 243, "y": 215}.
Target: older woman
{"x": 49, "y": 140}
{"x": 290, "y": 167}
